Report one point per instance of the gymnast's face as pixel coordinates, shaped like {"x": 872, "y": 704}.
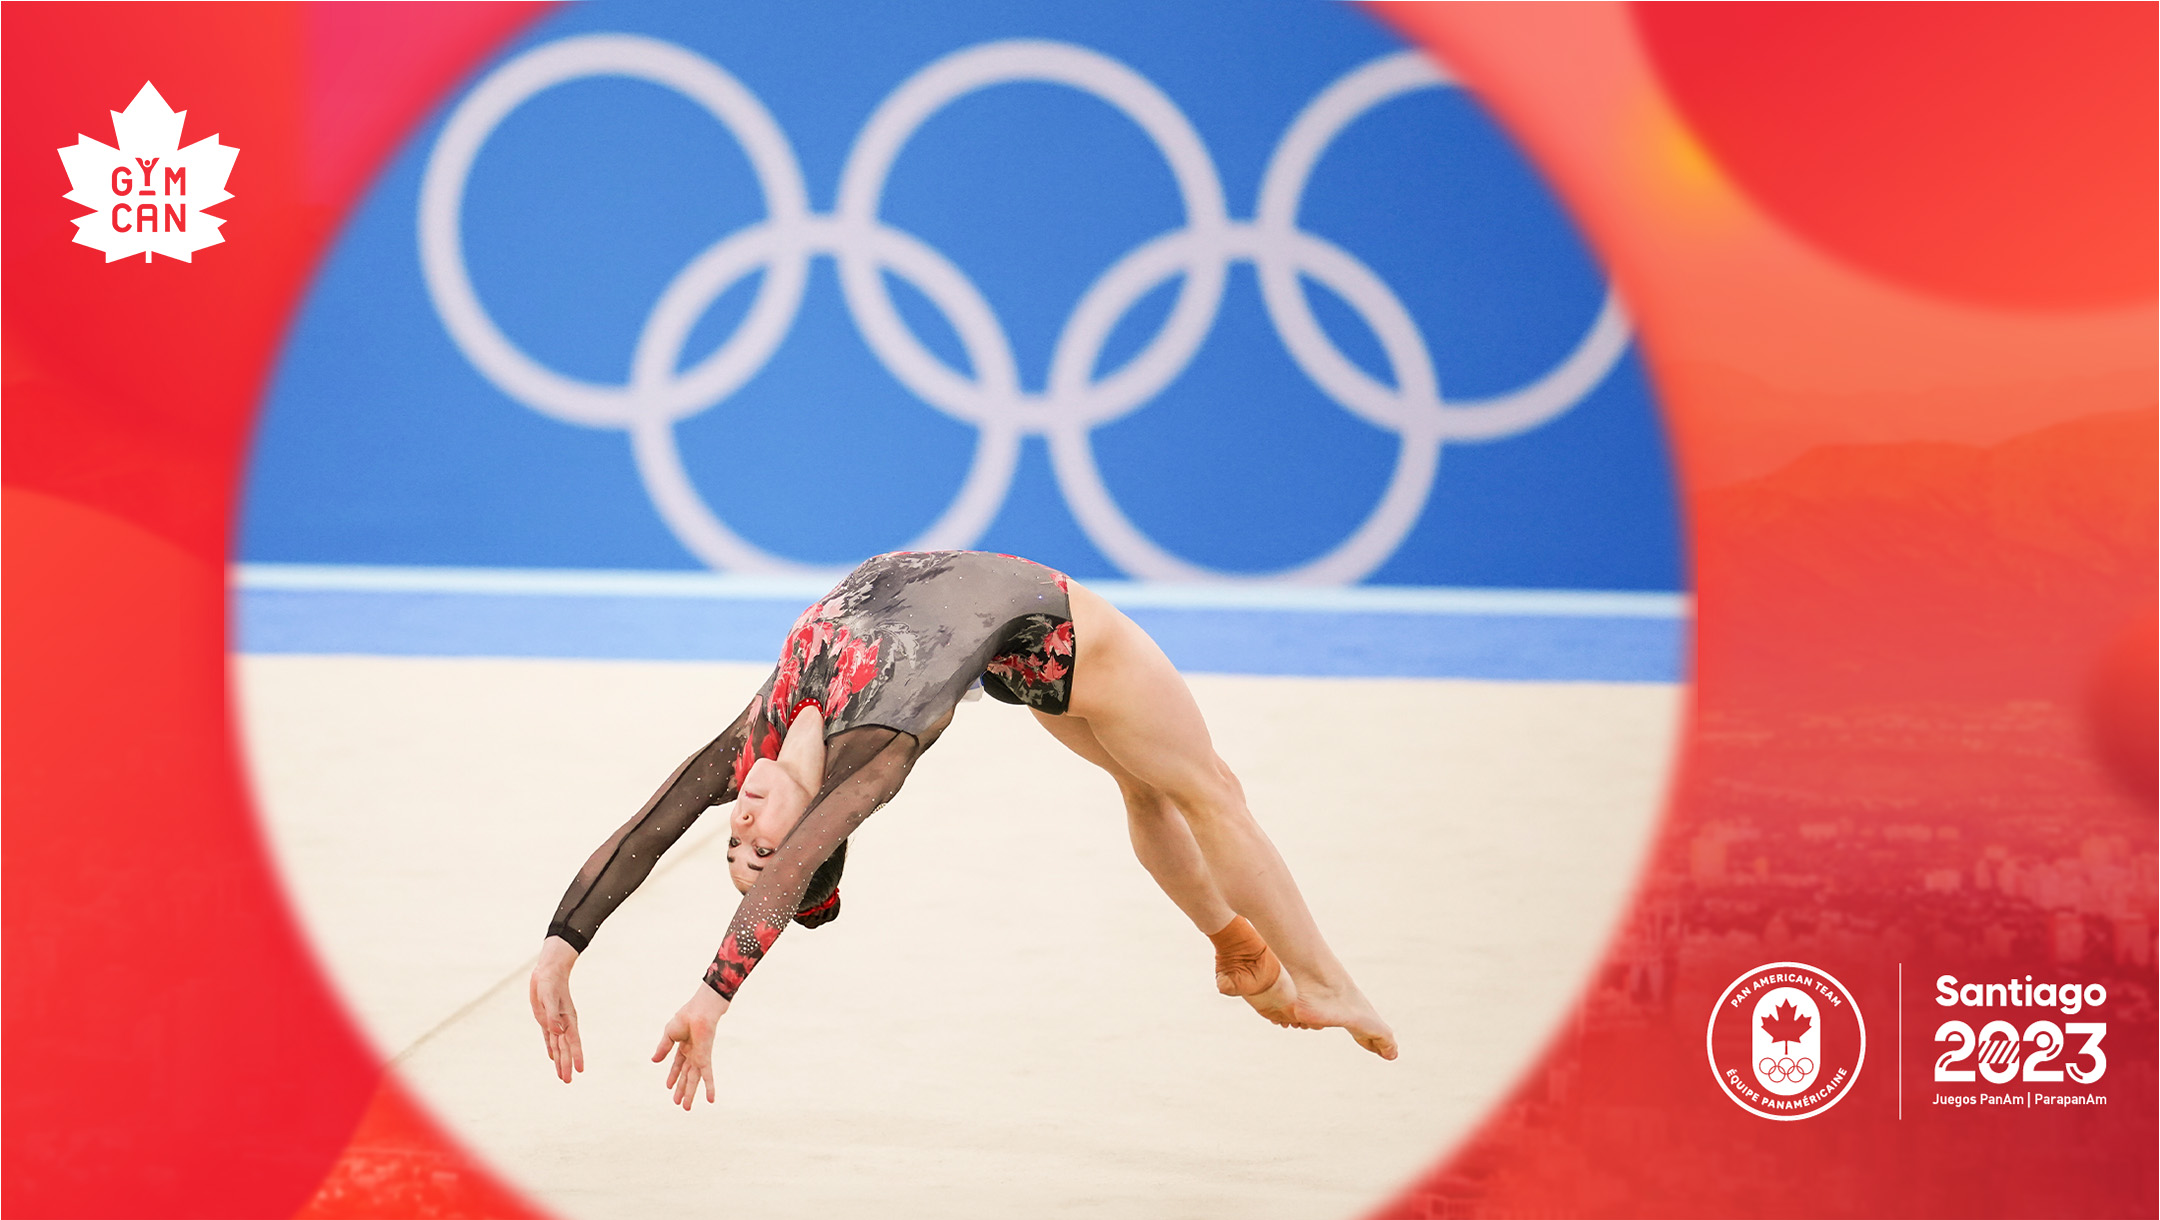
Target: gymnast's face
{"x": 770, "y": 804}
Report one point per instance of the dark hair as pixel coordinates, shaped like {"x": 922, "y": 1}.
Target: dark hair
{"x": 821, "y": 902}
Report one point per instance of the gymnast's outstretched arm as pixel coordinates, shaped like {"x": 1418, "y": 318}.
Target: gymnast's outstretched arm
{"x": 621, "y": 864}
{"x": 863, "y": 768}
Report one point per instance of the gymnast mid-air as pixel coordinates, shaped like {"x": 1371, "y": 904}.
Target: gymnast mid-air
{"x": 868, "y": 679}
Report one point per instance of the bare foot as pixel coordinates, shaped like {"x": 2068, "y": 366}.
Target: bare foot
{"x": 1348, "y": 1010}
{"x": 1278, "y": 1001}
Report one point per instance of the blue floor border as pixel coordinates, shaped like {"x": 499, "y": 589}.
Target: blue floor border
{"x": 1520, "y": 635}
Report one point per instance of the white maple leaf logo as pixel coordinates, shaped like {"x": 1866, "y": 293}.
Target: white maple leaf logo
{"x": 149, "y": 192}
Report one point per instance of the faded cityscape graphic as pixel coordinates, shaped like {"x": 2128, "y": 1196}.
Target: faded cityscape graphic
{"x": 1918, "y": 776}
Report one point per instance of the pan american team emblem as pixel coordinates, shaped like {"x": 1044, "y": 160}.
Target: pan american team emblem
{"x": 147, "y": 196}
{"x": 1786, "y": 1041}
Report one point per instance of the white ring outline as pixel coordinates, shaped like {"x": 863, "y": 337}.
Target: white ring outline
{"x": 442, "y": 255}
{"x": 1073, "y": 402}
{"x": 1852, "y": 1005}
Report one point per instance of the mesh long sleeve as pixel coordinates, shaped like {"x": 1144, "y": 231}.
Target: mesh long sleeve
{"x": 863, "y": 769}
{"x": 705, "y": 779}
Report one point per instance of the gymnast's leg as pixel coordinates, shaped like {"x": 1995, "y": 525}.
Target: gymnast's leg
{"x": 1165, "y": 846}
{"x": 1145, "y": 719}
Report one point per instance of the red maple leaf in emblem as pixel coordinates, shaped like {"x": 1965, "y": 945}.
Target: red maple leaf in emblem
{"x": 1786, "y": 1024}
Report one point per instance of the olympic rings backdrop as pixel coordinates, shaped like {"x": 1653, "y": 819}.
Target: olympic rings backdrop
{"x": 523, "y": 287}
{"x": 1053, "y": 285}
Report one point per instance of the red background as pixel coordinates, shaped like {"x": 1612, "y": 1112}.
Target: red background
{"x": 1899, "y": 312}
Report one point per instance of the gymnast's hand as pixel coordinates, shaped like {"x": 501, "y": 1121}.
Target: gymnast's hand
{"x": 690, "y": 1032}
{"x": 551, "y": 1006}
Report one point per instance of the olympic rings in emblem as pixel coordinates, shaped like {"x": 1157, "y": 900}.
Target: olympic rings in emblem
{"x": 1780, "y": 1071}
{"x": 1075, "y": 399}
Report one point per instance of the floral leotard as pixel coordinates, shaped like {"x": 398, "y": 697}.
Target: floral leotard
{"x": 885, "y": 657}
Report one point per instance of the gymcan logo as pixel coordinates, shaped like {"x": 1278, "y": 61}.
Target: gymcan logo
{"x": 148, "y": 194}
{"x": 1786, "y": 1041}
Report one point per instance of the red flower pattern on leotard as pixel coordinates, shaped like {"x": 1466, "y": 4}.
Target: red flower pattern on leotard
{"x": 822, "y": 665}
{"x": 1035, "y": 663}
{"x": 738, "y": 954}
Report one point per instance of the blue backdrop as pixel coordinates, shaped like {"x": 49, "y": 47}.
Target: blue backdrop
{"x": 385, "y": 441}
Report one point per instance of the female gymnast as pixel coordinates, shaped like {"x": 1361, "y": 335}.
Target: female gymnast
{"x": 867, "y": 680}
